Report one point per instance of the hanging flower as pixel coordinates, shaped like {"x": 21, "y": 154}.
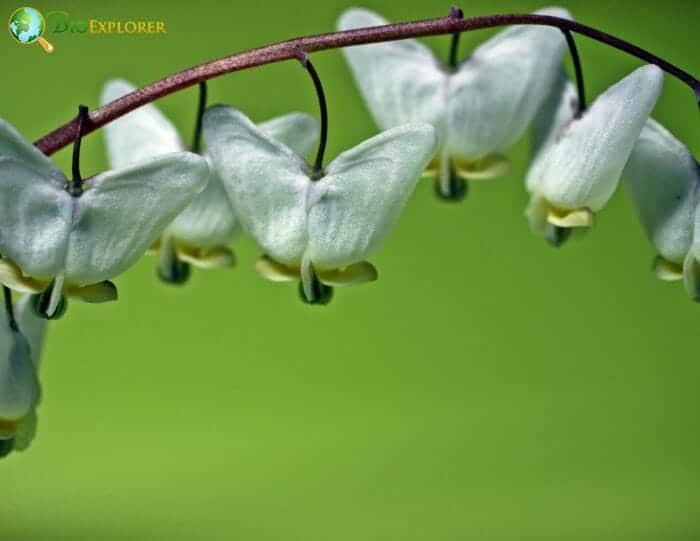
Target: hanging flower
{"x": 20, "y": 351}
{"x": 53, "y": 242}
{"x": 578, "y": 162}
{"x": 319, "y": 229}
{"x": 200, "y": 235}
{"x": 662, "y": 179}
{"x": 479, "y": 108}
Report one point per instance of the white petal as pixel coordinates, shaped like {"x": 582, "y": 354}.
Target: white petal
{"x": 691, "y": 265}
{"x": 209, "y": 220}
{"x": 32, "y": 327}
{"x": 497, "y": 91}
{"x": 401, "y": 81}
{"x": 557, "y": 111}
{"x": 18, "y": 385}
{"x": 35, "y": 209}
{"x": 266, "y": 181}
{"x": 298, "y": 131}
{"x": 662, "y": 179}
{"x": 353, "y": 208}
{"x": 122, "y": 212}
{"x": 142, "y": 134}
{"x": 582, "y": 168}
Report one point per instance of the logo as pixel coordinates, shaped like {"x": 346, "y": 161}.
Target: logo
{"x": 27, "y": 26}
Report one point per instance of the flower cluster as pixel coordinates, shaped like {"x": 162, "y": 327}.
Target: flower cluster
{"x": 317, "y": 224}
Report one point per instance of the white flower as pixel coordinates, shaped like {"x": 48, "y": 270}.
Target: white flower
{"x": 20, "y": 351}
{"x": 201, "y": 233}
{"x": 662, "y": 179}
{"x": 480, "y": 109}
{"x": 53, "y": 241}
{"x": 318, "y": 230}
{"x": 577, "y": 162}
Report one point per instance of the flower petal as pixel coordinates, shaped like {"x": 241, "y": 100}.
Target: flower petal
{"x": 35, "y": 209}
{"x": 662, "y": 179}
{"x": 276, "y": 272}
{"x": 266, "y": 182}
{"x": 100, "y": 292}
{"x": 18, "y": 382}
{"x": 358, "y": 273}
{"x": 139, "y": 135}
{"x": 32, "y": 327}
{"x": 298, "y": 131}
{"x": 691, "y": 265}
{"x": 353, "y": 208}
{"x": 496, "y": 92}
{"x": 214, "y": 257}
{"x": 11, "y": 276}
{"x": 122, "y": 212}
{"x": 582, "y": 168}
{"x": 401, "y": 81}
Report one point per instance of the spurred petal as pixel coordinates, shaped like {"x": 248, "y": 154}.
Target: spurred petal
{"x": 353, "y": 208}
{"x": 401, "y": 81}
{"x": 583, "y": 166}
{"x": 662, "y": 179}
{"x": 35, "y": 210}
{"x": 139, "y": 135}
{"x": 266, "y": 181}
{"x": 496, "y": 92}
{"x": 122, "y": 212}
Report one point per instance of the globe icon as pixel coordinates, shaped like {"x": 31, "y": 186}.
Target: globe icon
{"x": 27, "y": 26}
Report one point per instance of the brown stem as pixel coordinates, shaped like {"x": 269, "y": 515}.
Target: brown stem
{"x": 286, "y": 50}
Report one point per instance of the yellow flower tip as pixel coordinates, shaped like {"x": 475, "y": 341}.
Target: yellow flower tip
{"x": 582, "y": 217}
{"x": 357, "y": 273}
{"x": 11, "y": 276}
{"x": 666, "y": 270}
{"x": 273, "y": 271}
{"x": 214, "y": 257}
{"x": 94, "y": 293}
{"x": 488, "y": 167}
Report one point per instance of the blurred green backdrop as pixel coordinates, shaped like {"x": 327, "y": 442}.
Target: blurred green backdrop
{"x": 486, "y": 387}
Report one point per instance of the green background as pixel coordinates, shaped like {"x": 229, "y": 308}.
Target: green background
{"x": 486, "y": 387}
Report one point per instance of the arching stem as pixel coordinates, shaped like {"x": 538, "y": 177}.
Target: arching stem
{"x": 576, "y": 60}
{"x": 75, "y": 185}
{"x": 318, "y": 162}
{"x": 285, "y": 50}
{"x": 197, "y": 137}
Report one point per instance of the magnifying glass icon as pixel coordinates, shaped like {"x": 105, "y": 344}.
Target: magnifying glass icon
{"x": 27, "y": 25}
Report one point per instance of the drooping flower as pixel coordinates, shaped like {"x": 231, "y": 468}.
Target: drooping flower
{"x": 662, "y": 179}
{"x": 319, "y": 230}
{"x": 577, "y": 162}
{"x": 20, "y": 351}
{"x": 200, "y": 235}
{"x": 53, "y": 242}
{"x": 479, "y": 109}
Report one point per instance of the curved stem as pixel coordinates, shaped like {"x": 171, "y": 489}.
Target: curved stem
{"x": 318, "y": 163}
{"x": 197, "y": 137}
{"x": 286, "y": 50}
{"x": 456, "y": 13}
{"x": 75, "y": 186}
{"x": 573, "y": 51}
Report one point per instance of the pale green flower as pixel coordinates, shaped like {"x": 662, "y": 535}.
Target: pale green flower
{"x": 200, "y": 235}
{"x": 318, "y": 230}
{"x": 53, "y": 242}
{"x": 479, "y": 109}
{"x": 20, "y": 351}
{"x": 662, "y": 179}
{"x": 577, "y": 162}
